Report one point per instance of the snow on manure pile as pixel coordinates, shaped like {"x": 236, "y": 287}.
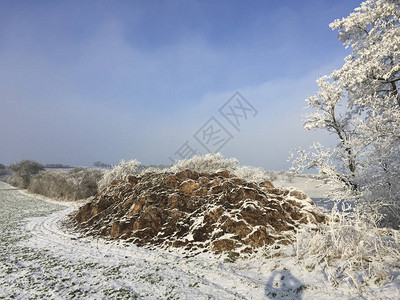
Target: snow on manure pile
{"x": 197, "y": 212}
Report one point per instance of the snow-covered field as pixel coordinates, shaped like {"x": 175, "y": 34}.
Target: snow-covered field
{"x": 314, "y": 188}
{"x": 39, "y": 259}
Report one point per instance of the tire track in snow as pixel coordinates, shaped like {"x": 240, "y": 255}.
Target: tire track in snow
{"x": 47, "y": 233}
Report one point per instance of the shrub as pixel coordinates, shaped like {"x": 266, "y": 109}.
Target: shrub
{"x": 209, "y": 163}
{"x": 272, "y": 175}
{"x": 12, "y": 180}
{"x": 119, "y": 172}
{"x": 74, "y": 184}
{"x": 24, "y": 170}
{"x": 153, "y": 169}
{"x": 351, "y": 248}
{"x": 252, "y": 174}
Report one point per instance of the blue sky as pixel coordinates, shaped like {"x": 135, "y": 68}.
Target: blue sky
{"x": 83, "y": 81}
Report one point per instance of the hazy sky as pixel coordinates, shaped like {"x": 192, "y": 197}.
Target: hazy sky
{"x": 85, "y": 81}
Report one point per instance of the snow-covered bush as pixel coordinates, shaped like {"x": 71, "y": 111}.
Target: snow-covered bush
{"x": 272, "y": 175}
{"x": 13, "y": 180}
{"x": 351, "y": 248}
{"x": 252, "y": 174}
{"x": 209, "y": 163}
{"x": 74, "y": 184}
{"x": 151, "y": 169}
{"x": 23, "y": 172}
{"x": 120, "y": 171}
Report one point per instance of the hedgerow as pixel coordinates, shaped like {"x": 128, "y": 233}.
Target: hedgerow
{"x": 74, "y": 184}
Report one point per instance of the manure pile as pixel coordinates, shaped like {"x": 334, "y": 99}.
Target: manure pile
{"x": 197, "y": 211}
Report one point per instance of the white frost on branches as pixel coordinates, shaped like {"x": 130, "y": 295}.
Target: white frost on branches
{"x": 209, "y": 163}
{"x": 119, "y": 172}
{"x": 360, "y": 105}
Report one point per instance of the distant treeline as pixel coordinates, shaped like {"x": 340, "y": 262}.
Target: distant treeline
{"x": 57, "y": 166}
{"x": 100, "y": 164}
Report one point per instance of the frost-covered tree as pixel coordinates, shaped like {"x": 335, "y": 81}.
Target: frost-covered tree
{"x": 360, "y": 105}
{"x": 24, "y": 170}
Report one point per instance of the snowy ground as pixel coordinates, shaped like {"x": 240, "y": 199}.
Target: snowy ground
{"x": 41, "y": 260}
{"x": 314, "y": 188}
